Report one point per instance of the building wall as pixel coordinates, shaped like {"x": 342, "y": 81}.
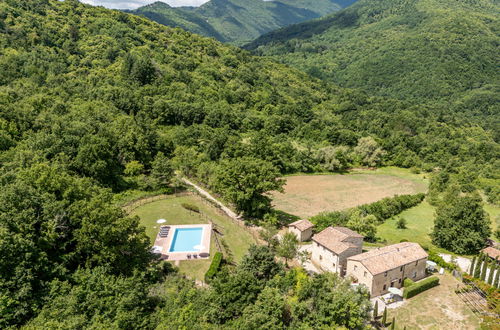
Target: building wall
{"x": 307, "y": 234}
{"x": 346, "y": 254}
{"x": 325, "y": 258}
{"x": 301, "y": 236}
{"x": 379, "y": 284}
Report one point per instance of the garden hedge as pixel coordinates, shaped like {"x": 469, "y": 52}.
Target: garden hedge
{"x": 214, "y": 267}
{"x": 421, "y": 286}
{"x": 408, "y": 282}
{"x": 191, "y": 207}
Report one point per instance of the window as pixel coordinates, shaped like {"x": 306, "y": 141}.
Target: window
{"x": 320, "y": 258}
{"x": 414, "y": 274}
{"x": 365, "y": 274}
{"x": 399, "y": 281}
{"x": 385, "y": 274}
{"x": 333, "y": 265}
{"x": 401, "y": 269}
{"x": 416, "y": 262}
{"x": 355, "y": 267}
{"x": 385, "y": 286}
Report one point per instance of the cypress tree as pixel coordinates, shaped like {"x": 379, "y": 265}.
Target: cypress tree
{"x": 483, "y": 270}
{"x": 384, "y": 317}
{"x": 497, "y": 277}
{"x": 393, "y": 324}
{"x": 472, "y": 264}
{"x": 477, "y": 269}
{"x": 492, "y": 271}
{"x": 375, "y": 310}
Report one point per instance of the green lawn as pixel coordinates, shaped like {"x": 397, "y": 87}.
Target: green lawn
{"x": 436, "y": 308}
{"x": 420, "y": 222}
{"x": 237, "y": 238}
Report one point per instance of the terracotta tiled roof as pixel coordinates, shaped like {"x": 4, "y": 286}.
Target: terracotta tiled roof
{"x": 334, "y": 239}
{"x": 302, "y": 225}
{"x": 390, "y": 257}
{"x": 492, "y": 252}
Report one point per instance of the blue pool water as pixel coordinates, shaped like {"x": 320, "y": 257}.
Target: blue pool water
{"x": 185, "y": 239}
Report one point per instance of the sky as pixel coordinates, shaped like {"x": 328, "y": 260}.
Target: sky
{"x": 132, "y": 4}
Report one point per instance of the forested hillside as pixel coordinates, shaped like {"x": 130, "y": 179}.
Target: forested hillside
{"x": 95, "y": 102}
{"x": 419, "y": 50}
{"x": 239, "y": 21}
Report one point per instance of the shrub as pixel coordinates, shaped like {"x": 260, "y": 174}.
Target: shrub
{"x": 433, "y": 256}
{"x": 408, "y": 282}
{"x": 421, "y": 286}
{"x": 401, "y": 224}
{"x": 214, "y": 267}
{"x": 191, "y": 207}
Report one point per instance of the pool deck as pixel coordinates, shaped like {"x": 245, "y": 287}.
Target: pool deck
{"x": 164, "y": 243}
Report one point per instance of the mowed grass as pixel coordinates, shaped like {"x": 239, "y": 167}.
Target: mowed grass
{"x": 436, "y": 308}
{"x": 419, "y": 225}
{"x": 308, "y": 195}
{"x": 237, "y": 238}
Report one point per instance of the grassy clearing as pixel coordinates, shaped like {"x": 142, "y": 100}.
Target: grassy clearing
{"x": 420, "y": 223}
{"x": 494, "y": 212}
{"x": 437, "y": 308}
{"x": 308, "y": 195}
{"x": 237, "y": 238}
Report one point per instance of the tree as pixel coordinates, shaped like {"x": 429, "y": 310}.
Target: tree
{"x": 493, "y": 267}
{"x": 472, "y": 264}
{"x": 384, "y": 317}
{"x": 288, "y": 246}
{"x": 461, "y": 224}
{"x": 161, "y": 170}
{"x": 52, "y": 223}
{"x": 95, "y": 299}
{"x": 484, "y": 269}
{"x": 375, "y": 310}
{"x": 401, "y": 223}
{"x": 368, "y": 152}
{"x": 364, "y": 225}
{"x": 266, "y": 313}
{"x": 477, "y": 268}
{"x": 393, "y": 323}
{"x": 260, "y": 263}
{"x": 268, "y": 235}
{"x": 497, "y": 277}
{"x": 244, "y": 182}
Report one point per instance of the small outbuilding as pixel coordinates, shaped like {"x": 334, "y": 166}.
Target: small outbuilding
{"x": 303, "y": 229}
{"x": 492, "y": 252}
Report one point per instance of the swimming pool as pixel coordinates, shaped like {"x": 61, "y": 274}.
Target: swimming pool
{"x": 186, "y": 240}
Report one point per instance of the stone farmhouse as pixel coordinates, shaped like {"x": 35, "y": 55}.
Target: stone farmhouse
{"x": 303, "y": 229}
{"x": 333, "y": 246}
{"x": 388, "y": 266}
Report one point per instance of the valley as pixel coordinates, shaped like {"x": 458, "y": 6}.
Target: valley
{"x": 354, "y": 143}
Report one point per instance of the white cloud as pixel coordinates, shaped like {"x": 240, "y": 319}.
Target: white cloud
{"x": 132, "y": 4}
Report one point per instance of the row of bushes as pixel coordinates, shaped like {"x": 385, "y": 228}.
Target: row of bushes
{"x": 191, "y": 207}
{"x": 214, "y": 267}
{"x": 390, "y": 206}
{"x": 382, "y": 210}
{"x": 420, "y": 287}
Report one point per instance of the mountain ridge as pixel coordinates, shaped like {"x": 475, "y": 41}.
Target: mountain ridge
{"x": 443, "y": 49}
{"x": 239, "y": 21}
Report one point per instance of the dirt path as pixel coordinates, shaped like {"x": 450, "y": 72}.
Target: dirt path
{"x": 208, "y": 196}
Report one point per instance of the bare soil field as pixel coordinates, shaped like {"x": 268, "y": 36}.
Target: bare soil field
{"x": 308, "y": 195}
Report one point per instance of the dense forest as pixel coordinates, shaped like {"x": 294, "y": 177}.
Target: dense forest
{"x": 239, "y": 21}
{"x": 423, "y": 51}
{"x": 95, "y": 102}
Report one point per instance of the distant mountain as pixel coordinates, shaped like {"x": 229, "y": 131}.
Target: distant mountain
{"x": 239, "y": 21}
{"x": 414, "y": 50}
